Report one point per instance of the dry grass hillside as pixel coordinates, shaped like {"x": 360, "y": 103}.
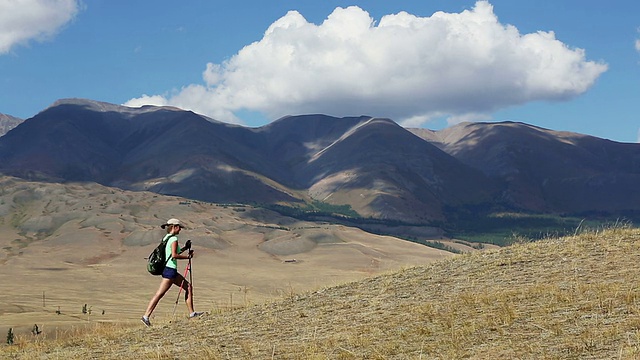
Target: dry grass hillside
{"x": 65, "y": 247}
{"x": 570, "y": 298}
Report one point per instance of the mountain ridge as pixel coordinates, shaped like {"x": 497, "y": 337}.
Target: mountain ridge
{"x": 375, "y": 166}
{"x": 8, "y": 122}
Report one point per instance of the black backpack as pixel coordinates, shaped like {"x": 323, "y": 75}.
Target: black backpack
{"x": 157, "y": 259}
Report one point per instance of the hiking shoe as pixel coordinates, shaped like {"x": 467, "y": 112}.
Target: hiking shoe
{"x": 195, "y": 314}
{"x": 145, "y": 321}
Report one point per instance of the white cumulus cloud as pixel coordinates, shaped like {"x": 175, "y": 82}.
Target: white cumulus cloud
{"x": 409, "y": 68}
{"x": 24, "y": 20}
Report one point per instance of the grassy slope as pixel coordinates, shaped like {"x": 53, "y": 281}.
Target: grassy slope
{"x": 574, "y": 297}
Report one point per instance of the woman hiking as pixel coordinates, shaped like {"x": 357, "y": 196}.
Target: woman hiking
{"x": 170, "y": 275}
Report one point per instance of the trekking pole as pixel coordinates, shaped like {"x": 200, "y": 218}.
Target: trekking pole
{"x": 188, "y": 247}
{"x": 190, "y": 277}
{"x": 187, "y": 268}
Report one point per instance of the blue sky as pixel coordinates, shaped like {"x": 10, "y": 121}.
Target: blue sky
{"x": 570, "y": 65}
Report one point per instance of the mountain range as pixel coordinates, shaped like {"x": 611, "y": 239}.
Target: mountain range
{"x": 378, "y": 168}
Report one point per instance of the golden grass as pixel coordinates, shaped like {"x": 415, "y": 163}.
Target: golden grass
{"x": 570, "y": 298}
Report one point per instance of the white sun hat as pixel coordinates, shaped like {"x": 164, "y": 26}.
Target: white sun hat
{"x": 172, "y": 222}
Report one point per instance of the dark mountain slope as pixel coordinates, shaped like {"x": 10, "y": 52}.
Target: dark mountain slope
{"x": 292, "y": 141}
{"x": 64, "y": 142}
{"x": 393, "y": 173}
{"x": 165, "y": 150}
{"x": 196, "y": 158}
{"x": 545, "y": 170}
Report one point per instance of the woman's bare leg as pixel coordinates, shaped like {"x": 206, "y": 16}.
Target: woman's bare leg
{"x": 188, "y": 290}
{"x": 165, "y": 285}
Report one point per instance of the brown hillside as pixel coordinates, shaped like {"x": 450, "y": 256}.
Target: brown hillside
{"x": 571, "y": 298}
{"x": 64, "y": 246}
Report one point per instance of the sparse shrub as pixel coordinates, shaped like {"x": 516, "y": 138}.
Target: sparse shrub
{"x": 10, "y": 336}
{"x": 86, "y": 309}
{"x": 442, "y": 246}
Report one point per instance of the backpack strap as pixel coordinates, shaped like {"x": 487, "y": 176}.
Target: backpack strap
{"x": 165, "y": 241}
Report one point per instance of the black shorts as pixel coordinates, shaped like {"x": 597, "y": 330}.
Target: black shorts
{"x": 169, "y": 273}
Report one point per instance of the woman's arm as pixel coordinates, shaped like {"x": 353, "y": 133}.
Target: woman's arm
{"x": 174, "y": 252}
